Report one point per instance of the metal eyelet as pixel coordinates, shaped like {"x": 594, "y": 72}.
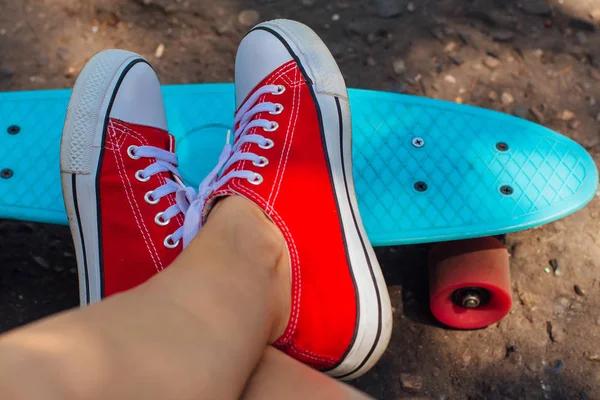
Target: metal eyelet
{"x": 262, "y": 162}
{"x": 274, "y": 126}
{"x": 130, "y": 152}
{"x": 159, "y": 221}
{"x": 269, "y": 143}
{"x": 257, "y": 180}
{"x": 169, "y": 244}
{"x": 278, "y": 109}
{"x": 149, "y": 199}
{"x": 139, "y": 177}
{"x": 280, "y": 90}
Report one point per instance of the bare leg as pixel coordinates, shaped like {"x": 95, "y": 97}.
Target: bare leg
{"x": 281, "y": 377}
{"x": 196, "y": 330}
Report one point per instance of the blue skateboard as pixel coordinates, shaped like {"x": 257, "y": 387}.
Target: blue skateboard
{"x": 425, "y": 170}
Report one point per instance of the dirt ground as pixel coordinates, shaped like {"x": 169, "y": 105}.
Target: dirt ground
{"x": 530, "y": 58}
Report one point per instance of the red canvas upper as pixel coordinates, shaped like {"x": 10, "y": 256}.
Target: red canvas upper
{"x": 297, "y": 195}
{"x": 132, "y": 242}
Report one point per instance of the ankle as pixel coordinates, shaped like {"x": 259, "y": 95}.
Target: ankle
{"x": 256, "y": 240}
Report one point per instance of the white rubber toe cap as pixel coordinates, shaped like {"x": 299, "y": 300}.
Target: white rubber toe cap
{"x": 259, "y": 54}
{"x": 139, "y": 99}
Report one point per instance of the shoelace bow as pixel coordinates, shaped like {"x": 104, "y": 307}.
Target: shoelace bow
{"x": 230, "y": 155}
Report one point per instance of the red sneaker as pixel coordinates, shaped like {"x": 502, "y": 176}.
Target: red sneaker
{"x": 119, "y": 177}
{"x": 291, "y": 155}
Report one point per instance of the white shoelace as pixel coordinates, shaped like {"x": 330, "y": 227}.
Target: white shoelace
{"x": 232, "y": 154}
{"x": 165, "y": 162}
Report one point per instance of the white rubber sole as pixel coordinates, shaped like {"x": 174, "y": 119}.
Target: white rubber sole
{"x": 375, "y": 317}
{"x": 80, "y": 152}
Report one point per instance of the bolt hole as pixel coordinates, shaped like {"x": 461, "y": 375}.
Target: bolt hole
{"x": 6, "y": 173}
{"x": 502, "y": 146}
{"x": 13, "y": 129}
{"x": 506, "y": 190}
{"x": 421, "y": 186}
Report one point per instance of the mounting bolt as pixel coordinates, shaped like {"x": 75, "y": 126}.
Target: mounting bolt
{"x": 501, "y": 146}
{"x": 420, "y": 186}
{"x": 6, "y": 173}
{"x": 13, "y": 129}
{"x": 506, "y": 190}
{"x": 418, "y": 142}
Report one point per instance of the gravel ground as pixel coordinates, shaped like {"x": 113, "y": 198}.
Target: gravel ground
{"x": 538, "y": 60}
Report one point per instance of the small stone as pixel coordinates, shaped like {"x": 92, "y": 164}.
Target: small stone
{"x": 520, "y": 111}
{"x": 308, "y": 3}
{"x": 538, "y": 114}
{"x": 458, "y": 100}
{"x": 399, "y": 67}
{"x": 73, "y": 271}
{"x": 371, "y": 62}
{"x": 335, "y": 17}
{"x": 561, "y": 305}
{"x": 594, "y": 357}
{"x": 63, "y": 53}
{"x": 3, "y": 31}
{"x": 566, "y": 115}
{"x": 59, "y": 268}
{"x": 411, "y": 383}
{"x": 411, "y": 7}
{"x": 491, "y": 62}
{"x": 493, "y": 96}
{"x": 598, "y": 117}
{"x": 581, "y": 38}
{"x": 41, "y": 262}
{"x": 70, "y": 72}
{"x": 456, "y": 60}
{"x": 464, "y": 37}
{"x": 579, "y": 290}
{"x": 450, "y": 47}
{"x": 555, "y": 267}
{"x": 436, "y": 87}
{"x": 160, "y": 50}
{"x": 248, "y": 17}
{"x": 592, "y": 101}
{"x": 507, "y": 98}
{"x": 556, "y": 332}
{"x": 502, "y": 35}
{"x": 450, "y": 79}
{"x": 574, "y": 124}
{"x": 539, "y": 53}
{"x": 389, "y": 8}
{"x": 537, "y": 7}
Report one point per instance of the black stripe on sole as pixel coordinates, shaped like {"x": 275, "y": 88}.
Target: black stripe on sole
{"x": 78, "y": 217}
{"x": 320, "y": 117}
{"x": 362, "y": 241}
{"x": 97, "y": 187}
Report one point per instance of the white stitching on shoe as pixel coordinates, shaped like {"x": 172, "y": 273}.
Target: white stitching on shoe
{"x": 287, "y": 147}
{"x": 125, "y": 130}
{"x": 137, "y": 215}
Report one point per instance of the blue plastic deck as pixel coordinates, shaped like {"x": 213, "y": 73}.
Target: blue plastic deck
{"x": 464, "y": 172}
